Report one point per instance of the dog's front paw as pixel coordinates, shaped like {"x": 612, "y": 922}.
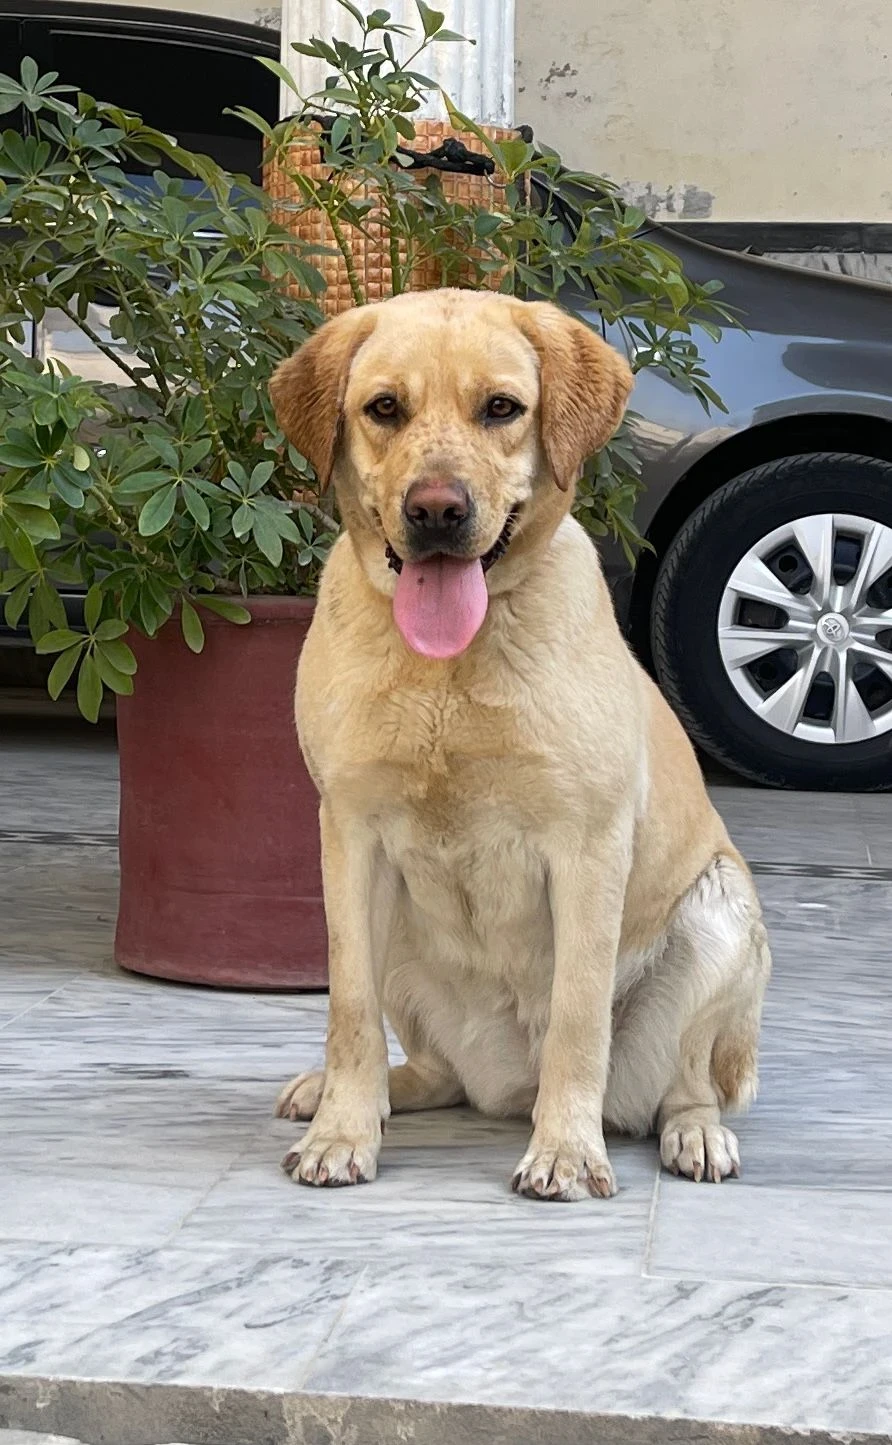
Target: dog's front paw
{"x": 565, "y": 1172}
{"x": 331, "y": 1159}
{"x": 301, "y": 1097}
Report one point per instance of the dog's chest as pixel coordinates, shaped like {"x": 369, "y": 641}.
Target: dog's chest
{"x": 456, "y": 793}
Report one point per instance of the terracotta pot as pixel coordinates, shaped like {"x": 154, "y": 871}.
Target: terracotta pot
{"x": 219, "y": 836}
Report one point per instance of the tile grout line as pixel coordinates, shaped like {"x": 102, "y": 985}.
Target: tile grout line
{"x": 76, "y": 978}
{"x": 304, "y": 1373}
{"x": 651, "y": 1223}
{"x": 235, "y": 1160}
{"x": 745, "y": 1283}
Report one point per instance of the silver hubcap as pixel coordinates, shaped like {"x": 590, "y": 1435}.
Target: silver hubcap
{"x": 805, "y": 628}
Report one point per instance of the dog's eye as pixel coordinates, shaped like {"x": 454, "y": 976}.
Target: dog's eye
{"x": 502, "y": 408}
{"x": 383, "y": 408}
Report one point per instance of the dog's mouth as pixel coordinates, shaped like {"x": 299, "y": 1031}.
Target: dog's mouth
{"x": 440, "y": 602}
{"x": 497, "y": 550}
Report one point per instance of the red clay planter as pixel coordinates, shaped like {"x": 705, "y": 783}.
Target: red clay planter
{"x": 219, "y": 836}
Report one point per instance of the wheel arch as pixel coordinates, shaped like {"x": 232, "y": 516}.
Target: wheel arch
{"x": 867, "y": 436}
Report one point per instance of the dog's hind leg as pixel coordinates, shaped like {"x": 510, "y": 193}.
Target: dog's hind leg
{"x": 417, "y": 1084}
{"x": 686, "y": 1041}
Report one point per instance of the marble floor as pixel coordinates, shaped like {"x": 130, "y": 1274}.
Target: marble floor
{"x": 162, "y": 1280}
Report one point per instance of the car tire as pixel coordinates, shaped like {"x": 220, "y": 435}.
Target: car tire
{"x": 787, "y": 548}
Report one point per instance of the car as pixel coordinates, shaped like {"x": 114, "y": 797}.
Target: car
{"x": 763, "y": 602}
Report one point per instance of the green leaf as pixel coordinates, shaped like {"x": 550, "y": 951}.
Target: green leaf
{"x": 260, "y": 476}
{"x": 58, "y": 641}
{"x": 119, "y": 682}
{"x": 280, "y": 72}
{"x": 16, "y": 602}
{"x": 46, "y": 611}
{"x": 89, "y": 689}
{"x": 119, "y": 655}
{"x": 193, "y": 632}
{"x": 61, "y": 671}
{"x": 138, "y": 483}
{"x": 80, "y": 459}
{"x": 20, "y": 456}
{"x": 158, "y": 511}
{"x": 92, "y": 608}
{"x": 267, "y": 537}
{"x": 352, "y": 10}
{"x": 108, "y": 630}
{"x": 242, "y": 520}
{"x": 71, "y": 495}
{"x": 232, "y": 611}
{"x": 19, "y": 547}
{"x": 38, "y": 525}
{"x": 196, "y": 506}
{"x": 453, "y": 35}
{"x": 431, "y": 20}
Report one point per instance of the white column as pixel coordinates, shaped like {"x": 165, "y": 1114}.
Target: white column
{"x": 479, "y": 79}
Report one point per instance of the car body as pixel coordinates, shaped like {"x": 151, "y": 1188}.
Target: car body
{"x": 811, "y": 376}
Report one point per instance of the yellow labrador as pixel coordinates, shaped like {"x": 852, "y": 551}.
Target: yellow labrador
{"x": 521, "y": 866}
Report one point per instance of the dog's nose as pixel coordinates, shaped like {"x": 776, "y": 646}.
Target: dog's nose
{"x": 436, "y": 507}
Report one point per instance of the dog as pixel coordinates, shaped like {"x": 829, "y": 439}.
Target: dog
{"x": 521, "y": 865}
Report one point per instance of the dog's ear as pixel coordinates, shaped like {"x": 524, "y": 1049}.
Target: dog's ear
{"x": 585, "y": 385}
{"x": 307, "y": 390}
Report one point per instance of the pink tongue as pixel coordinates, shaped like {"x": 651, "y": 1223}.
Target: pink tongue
{"x": 439, "y": 605}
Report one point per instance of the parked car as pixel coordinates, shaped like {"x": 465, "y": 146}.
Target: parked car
{"x": 765, "y": 604}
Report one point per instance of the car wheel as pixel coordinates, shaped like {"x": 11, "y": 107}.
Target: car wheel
{"x": 771, "y": 623}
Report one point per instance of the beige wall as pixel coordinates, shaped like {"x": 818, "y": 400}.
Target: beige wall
{"x": 730, "y": 109}
{"x": 724, "y": 109}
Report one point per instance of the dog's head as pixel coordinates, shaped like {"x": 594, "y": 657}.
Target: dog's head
{"x": 454, "y": 425}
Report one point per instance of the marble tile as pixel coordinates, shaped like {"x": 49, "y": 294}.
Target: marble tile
{"x": 24, "y": 983}
{"x": 576, "y": 1339}
{"x": 30, "y": 1437}
{"x": 804, "y": 1145}
{"x": 875, "y": 811}
{"x": 92, "y": 1207}
{"x": 782, "y": 827}
{"x": 173, "y": 1132}
{"x": 115, "y": 1025}
{"x": 167, "y": 1315}
{"x": 53, "y": 781}
{"x": 782, "y": 1234}
{"x": 58, "y": 903}
{"x": 432, "y": 1196}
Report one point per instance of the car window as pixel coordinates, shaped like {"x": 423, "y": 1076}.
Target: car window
{"x": 178, "y": 84}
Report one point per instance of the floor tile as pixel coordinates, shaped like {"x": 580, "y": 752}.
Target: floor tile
{"x": 167, "y": 1315}
{"x": 781, "y": 1235}
{"x": 576, "y": 1340}
{"x": 52, "y": 781}
{"x": 773, "y": 826}
{"x": 77, "y": 1208}
{"x": 807, "y": 1148}
{"x": 430, "y": 1197}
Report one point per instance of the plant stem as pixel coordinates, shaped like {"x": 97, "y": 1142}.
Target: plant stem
{"x": 344, "y": 248}
{"x": 123, "y": 528}
{"x": 100, "y": 345}
{"x": 159, "y": 377}
{"x": 204, "y": 387}
{"x": 322, "y": 517}
{"x": 396, "y": 279}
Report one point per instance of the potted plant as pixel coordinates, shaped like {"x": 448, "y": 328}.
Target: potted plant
{"x": 165, "y": 490}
